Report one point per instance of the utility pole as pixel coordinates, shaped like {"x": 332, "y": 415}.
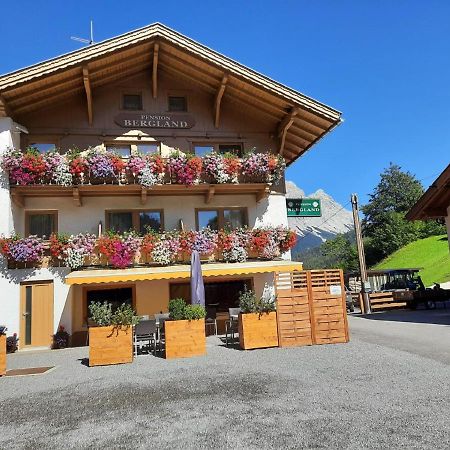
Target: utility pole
{"x": 361, "y": 255}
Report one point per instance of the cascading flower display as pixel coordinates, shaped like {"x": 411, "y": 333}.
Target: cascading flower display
{"x": 233, "y": 245}
{"x": 215, "y": 169}
{"x": 97, "y": 166}
{"x": 122, "y": 250}
{"x": 166, "y": 249}
{"x": 203, "y": 241}
{"x": 59, "y": 243}
{"x": 27, "y": 250}
{"x": 100, "y": 165}
{"x": 79, "y": 247}
{"x": 263, "y": 167}
{"x": 185, "y": 169}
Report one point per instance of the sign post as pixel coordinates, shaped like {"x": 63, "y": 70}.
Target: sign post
{"x": 303, "y": 207}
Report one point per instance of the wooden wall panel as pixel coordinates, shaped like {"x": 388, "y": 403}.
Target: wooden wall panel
{"x": 311, "y": 308}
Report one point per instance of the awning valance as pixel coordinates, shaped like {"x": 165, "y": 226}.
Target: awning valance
{"x": 179, "y": 271}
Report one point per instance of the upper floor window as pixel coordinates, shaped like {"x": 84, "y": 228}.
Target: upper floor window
{"x": 148, "y": 149}
{"x": 43, "y": 147}
{"x": 122, "y": 150}
{"x": 222, "y": 218}
{"x": 41, "y": 223}
{"x": 139, "y": 221}
{"x": 177, "y": 103}
{"x": 132, "y": 102}
{"x": 202, "y": 149}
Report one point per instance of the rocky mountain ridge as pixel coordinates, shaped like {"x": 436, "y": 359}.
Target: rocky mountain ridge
{"x": 313, "y": 231}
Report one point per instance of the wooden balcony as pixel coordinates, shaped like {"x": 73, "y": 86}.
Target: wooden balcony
{"x": 20, "y": 193}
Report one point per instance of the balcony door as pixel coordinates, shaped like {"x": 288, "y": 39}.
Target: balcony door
{"x": 36, "y": 315}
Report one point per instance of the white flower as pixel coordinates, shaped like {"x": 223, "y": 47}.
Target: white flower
{"x": 74, "y": 258}
{"x": 62, "y": 176}
{"x": 235, "y": 254}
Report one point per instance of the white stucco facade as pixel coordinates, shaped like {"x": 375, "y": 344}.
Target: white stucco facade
{"x": 74, "y": 219}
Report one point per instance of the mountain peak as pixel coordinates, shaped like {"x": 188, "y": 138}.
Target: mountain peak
{"x": 313, "y": 231}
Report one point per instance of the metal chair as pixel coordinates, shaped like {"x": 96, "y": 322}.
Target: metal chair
{"x": 211, "y": 318}
{"x": 145, "y": 333}
{"x": 231, "y": 325}
{"x": 161, "y": 336}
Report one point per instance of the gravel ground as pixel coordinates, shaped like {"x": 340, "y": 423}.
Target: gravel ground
{"x": 364, "y": 394}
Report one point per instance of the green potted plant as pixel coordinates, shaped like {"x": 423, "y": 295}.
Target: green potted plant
{"x": 257, "y": 320}
{"x": 185, "y": 331}
{"x": 111, "y": 341}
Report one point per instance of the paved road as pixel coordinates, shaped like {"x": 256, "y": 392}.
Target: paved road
{"x": 388, "y": 388}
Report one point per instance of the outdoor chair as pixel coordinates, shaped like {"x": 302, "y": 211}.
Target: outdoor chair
{"x": 211, "y": 318}
{"x": 231, "y": 325}
{"x": 145, "y": 334}
{"x": 160, "y": 319}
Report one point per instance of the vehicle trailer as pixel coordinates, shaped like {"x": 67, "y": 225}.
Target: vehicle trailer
{"x": 428, "y": 297}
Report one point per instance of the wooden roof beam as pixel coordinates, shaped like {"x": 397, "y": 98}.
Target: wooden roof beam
{"x": 218, "y": 100}
{"x": 88, "y": 90}
{"x": 155, "y": 70}
{"x": 283, "y": 127}
{"x": 4, "y": 110}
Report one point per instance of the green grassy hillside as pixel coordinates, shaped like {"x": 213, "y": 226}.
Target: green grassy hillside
{"x": 431, "y": 253}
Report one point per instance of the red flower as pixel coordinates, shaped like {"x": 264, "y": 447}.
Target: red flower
{"x": 78, "y": 165}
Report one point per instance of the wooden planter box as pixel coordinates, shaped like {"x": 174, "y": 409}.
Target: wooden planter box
{"x": 2, "y": 355}
{"x": 110, "y": 345}
{"x": 258, "y": 331}
{"x": 185, "y": 338}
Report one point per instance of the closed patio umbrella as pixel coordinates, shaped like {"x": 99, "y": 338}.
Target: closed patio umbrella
{"x": 197, "y": 286}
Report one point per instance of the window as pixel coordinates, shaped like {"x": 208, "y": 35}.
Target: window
{"x": 236, "y": 149}
{"x": 114, "y": 296}
{"x": 234, "y": 218}
{"x": 177, "y": 103}
{"x": 41, "y": 223}
{"x": 140, "y": 221}
{"x": 222, "y": 218}
{"x": 218, "y": 295}
{"x": 208, "y": 219}
{"x": 132, "y": 102}
{"x": 148, "y": 149}
{"x": 123, "y": 151}
{"x": 43, "y": 147}
{"x": 202, "y": 149}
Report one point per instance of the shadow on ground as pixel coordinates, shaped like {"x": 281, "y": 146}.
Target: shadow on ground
{"x": 437, "y": 316}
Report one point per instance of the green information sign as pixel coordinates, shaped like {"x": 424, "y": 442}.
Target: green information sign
{"x": 303, "y": 207}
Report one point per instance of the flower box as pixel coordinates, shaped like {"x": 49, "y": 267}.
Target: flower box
{"x": 2, "y": 354}
{"x": 258, "y": 330}
{"x": 185, "y": 338}
{"x": 110, "y": 345}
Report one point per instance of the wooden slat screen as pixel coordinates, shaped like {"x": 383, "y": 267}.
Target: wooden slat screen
{"x": 313, "y": 311}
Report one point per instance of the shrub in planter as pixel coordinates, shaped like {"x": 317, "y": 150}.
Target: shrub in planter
{"x": 12, "y": 343}
{"x": 257, "y": 321}
{"x": 111, "y": 342}
{"x": 185, "y": 331}
{"x": 60, "y": 339}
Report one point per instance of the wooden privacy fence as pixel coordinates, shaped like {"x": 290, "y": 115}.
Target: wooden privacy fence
{"x": 311, "y": 307}
{"x": 383, "y": 301}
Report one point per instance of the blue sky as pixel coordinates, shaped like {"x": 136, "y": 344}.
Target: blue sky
{"x": 385, "y": 64}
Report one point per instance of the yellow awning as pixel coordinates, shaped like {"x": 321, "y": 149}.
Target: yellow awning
{"x": 179, "y": 271}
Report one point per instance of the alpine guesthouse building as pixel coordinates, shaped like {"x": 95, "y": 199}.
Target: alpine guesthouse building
{"x": 121, "y": 158}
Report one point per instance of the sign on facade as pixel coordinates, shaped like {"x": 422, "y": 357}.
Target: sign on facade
{"x": 155, "y": 120}
{"x": 303, "y": 207}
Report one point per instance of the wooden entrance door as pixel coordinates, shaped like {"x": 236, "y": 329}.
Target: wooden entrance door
{"x": 36, "y": 315}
